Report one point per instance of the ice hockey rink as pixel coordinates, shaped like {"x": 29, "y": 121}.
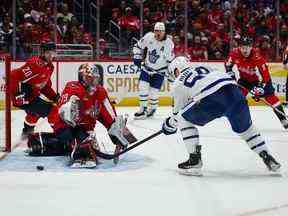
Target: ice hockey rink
{"x": 235, "y": 181}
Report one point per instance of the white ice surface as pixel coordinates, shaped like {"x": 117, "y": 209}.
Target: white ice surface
{"x": 146, "y": 183}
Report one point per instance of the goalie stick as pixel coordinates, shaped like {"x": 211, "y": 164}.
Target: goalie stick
{"x": 112, "y": 156}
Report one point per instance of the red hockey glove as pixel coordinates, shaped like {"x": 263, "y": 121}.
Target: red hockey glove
{"x": 20, "y": 100}
{"x": 257, "y": 92}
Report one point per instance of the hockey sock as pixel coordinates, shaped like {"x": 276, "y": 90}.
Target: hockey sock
{"x": 154, "y": 98}
{"x": 143, "y": 93}
{"x": 254, "y": 139}
{"x": 190, "y": 136}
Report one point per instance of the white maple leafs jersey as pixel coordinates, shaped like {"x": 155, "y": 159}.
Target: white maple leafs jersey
{"x": 159, "y": 53}
{"x": 193, "y": 84}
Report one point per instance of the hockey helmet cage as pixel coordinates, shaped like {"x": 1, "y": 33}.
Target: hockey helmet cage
{"x": 89, "y": 75}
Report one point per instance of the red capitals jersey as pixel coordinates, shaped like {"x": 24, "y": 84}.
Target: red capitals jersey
{"x": 252, "y": 68}
{"x": 36, "y": 72}
{"x": 92, "y": 107}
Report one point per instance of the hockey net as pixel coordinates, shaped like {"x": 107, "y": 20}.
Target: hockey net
{"x": 5, "y": 104}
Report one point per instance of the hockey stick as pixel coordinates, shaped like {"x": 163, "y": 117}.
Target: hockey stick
{"x": 278, "y": 111}
{"x": 265, "y": 102}
{"x": 112, "y": 156}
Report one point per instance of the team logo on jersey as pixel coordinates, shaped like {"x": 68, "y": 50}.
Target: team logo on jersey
{"x": 162, "y": 49}
{"x": 153, "y": 57}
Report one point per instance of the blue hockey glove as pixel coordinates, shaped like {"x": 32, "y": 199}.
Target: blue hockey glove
{"x": 137, "y": 62}
{"x": 257, "y": 92}
{"x": 169, "y": 126}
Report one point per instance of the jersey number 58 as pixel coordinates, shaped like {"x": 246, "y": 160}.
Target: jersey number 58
{"x": 196, "y": 74}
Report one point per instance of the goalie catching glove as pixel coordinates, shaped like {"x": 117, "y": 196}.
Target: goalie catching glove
{"x": 69, "y": 112}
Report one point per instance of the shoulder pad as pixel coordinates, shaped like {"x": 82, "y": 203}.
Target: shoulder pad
{"x": 35, "y": 60}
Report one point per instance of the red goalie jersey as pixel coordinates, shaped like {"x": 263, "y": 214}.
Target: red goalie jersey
{"x": 92, "y": 107}
{"x": 37, "y": 73}
{"x": 252, "y": 68}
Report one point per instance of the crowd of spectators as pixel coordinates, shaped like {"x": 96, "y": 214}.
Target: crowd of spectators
{"x": 213, "y": 26}
{"x": 36, "y": 23}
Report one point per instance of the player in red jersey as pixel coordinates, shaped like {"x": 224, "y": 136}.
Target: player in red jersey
{"x": 81, "y": 104}
{"x": 32, "y": 91}
{"x": 254, "y": 76}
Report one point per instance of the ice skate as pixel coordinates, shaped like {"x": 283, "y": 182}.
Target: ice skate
{"x": 193, "y": 165}
{"x": 269, "y": 161}
{"x": 151, "y": 113}
{"x": 284, "y": 122}
{"x": 141, "y": 114}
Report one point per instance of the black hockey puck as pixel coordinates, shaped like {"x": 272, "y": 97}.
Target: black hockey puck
{"x": 40, "y": 168}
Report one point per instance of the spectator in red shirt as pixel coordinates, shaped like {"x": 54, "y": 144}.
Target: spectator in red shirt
{"x": 198, "y": 52}
{"x": 179, "y": 47}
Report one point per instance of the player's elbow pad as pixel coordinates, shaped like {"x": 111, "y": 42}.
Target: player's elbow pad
{"x": 137, "y": 53}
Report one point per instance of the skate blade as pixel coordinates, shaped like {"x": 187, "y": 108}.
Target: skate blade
{"x": 191, "y": 172}
{"x": 140, "y": 117}
{"x": 81, "y": 165}
{"x": 276, "y": 169}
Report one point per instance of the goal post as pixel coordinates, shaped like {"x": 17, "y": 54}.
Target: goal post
{"x": 5, "y": 103}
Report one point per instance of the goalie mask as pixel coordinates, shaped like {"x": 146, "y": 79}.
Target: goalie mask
{"x": 180, "y": 63}
{"x": 89, "y": 76}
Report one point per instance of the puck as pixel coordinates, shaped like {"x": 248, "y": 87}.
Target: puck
{"x": 40, "y": 168}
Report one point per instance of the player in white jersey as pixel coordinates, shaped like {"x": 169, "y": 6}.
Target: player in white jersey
{"x": 202, "y": 95}
{"x": 155, "y": 49}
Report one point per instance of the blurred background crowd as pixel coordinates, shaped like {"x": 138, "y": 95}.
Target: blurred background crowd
{"x": 107, "y": 29}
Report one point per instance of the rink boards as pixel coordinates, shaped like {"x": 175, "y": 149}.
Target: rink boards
{"x": 121, "y": 79}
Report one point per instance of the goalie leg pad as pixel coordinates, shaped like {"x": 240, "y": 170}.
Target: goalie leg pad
{"x": 119, "y": 133}
{"x": 46, "y": 144}
{"x": 84, "y": 154}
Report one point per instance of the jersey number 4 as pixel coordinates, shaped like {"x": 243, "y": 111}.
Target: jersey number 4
{"x": 195, "y": 75}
